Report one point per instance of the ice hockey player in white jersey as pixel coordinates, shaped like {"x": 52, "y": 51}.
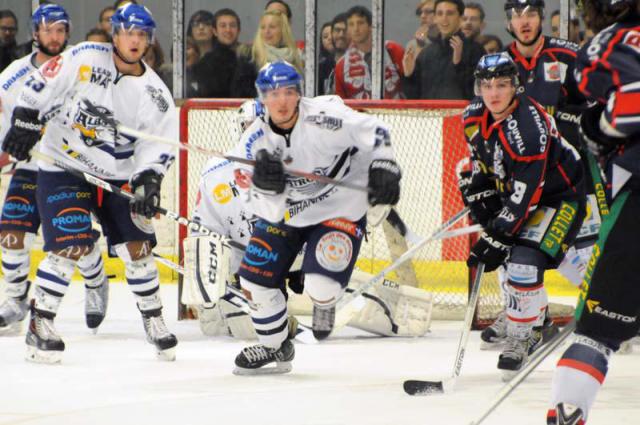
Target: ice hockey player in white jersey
{"x": 114, "y": 78}
{"x": 20, "y": 221}
{"x": 328, "y": 139}
{"x": 390, "y": 310}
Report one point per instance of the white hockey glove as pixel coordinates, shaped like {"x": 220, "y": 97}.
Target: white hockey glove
{"x": 206, "y": 262}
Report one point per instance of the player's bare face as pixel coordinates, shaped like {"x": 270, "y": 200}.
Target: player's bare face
{"x": 525, "y": 24}
{"x": 131, "y": 44}
{"x": 52, "y": 38}
{"x": 270, "y": 31}
{"x": 282, "y": 105}
{"x": 497, "y": 94}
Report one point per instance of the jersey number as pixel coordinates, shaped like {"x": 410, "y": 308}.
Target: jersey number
{"x": 519, "y": 189}
{"x": 35, "y": 85}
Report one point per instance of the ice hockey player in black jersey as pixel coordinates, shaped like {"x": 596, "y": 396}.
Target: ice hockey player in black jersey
{"x": 526, "y": 172}
{"x": 546, "y": 70}
{"x": 608, "y": 312}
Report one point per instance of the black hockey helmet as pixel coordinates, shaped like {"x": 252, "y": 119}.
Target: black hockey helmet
{"x": 509, "y": 5}
{"x": 496, "y": 65}
{"x": 599, "y": 14}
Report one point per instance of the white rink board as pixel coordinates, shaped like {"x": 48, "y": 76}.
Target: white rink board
{"x": 113, "y": 378}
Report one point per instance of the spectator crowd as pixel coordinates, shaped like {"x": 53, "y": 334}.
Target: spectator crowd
{"x": 437, "y": 63}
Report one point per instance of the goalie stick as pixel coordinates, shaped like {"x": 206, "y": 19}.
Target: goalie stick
{"x": 347, "y": 307}
{"x": 210, "y": 152}
{"x": 533, "y": 363}
{"x": 417, "y": 387}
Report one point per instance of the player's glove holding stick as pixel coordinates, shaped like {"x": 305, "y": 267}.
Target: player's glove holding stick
{"x": 492, "y": 249}
{"x": 24, "y": 133}
{"x": 268, "y": 173}
{"x": 146, "y": 187}
{"x": 384, "y": 182}
{"x": 483, "y": 203}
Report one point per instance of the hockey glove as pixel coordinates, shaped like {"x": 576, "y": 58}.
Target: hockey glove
{"x": 24, "y": 133}
{"x": 483, "y": 204}
{"x": 492, "y": 249}
{"x": 384, "y": 182}
{"x": 268, "y": 173}
{"x": 146, "y": 187}
{"x": 592, "y": 136}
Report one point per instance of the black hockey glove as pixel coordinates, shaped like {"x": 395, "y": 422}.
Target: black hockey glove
{"x": 492, "y": 249}
{"x": 146, "y": 187}
{"x": 483, "y": 204}
{"x": 24, "y": 133}
{"x": 592, "y": 136}
{"x": 268, "y": 173}
{"x": 384, "y": 182}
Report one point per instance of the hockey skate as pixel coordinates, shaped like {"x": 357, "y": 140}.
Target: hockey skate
{"x": 158, "y": 335}
{"x": 95, "y": 304}
{"x": 565, "y": 414}
{"x": 323, "y": 321}
{"x": 254, "y": 359}
{"x": 513, "y": 356}
{"x": 44, "y": 345}
{"x": 494, "y": 336}
{"x": 12, "y": 313}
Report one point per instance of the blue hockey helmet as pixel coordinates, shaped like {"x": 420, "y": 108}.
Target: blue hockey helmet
{"x": 275, "y": 75}
{"x": 133, "y": 16}
{"x": 496, "y": 65}
{"x": 50, "y": 14}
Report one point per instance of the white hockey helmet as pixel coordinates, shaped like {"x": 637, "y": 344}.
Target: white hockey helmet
{"x": 248, "y": 112}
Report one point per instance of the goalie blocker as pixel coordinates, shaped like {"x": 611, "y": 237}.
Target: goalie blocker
{"x": 391, "y": 309}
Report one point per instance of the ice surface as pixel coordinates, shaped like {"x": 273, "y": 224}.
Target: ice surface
{"x": 114, "y": 378}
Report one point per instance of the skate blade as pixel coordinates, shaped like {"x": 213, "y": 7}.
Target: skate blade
{"x": 492, "y": 346}
{"x": 12, "y": 329}
{"x": 168, "y": 355}
{"x": 279, "y": 369}
{"x": 45, "y": 357}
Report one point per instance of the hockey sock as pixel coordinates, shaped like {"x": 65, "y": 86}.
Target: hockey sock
{"x": 580, "y": 373}
{"x": 15, "y": 266}
{"x": 527, "y": 298}
{"x": 268, "y": 313}
{"x": 91, "y": 268}
{"x": 52, "y": 280}
{"x": 142, "y": 277}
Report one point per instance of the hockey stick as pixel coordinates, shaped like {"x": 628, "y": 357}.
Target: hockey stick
{"x": 417, "y": 387}
{"x": 347, "y": 308}
{"x": 533, "y": 363}
{"x": 210, "y": 152}
{"x": 96, "y": 181}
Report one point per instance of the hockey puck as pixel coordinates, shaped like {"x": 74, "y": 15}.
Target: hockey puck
{"x": 415, "y": 387}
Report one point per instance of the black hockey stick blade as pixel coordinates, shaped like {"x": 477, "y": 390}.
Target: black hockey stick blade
{"x": 417, "y": 387}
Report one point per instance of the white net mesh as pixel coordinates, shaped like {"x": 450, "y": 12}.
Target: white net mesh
{"x": 429, "y": 144}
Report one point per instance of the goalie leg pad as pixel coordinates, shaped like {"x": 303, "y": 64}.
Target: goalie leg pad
{"x": 206, "y": 262}
{"x": 268, "y": 313}
{"x": 239, "y": 323}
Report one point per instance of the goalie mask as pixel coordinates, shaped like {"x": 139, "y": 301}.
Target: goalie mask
{"x": 248, "y": 112}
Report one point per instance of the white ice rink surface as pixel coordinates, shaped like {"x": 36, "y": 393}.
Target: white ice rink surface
{"x": 114, "y": 378}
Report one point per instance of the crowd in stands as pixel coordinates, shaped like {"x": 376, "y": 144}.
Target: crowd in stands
{"x": 437, "y": 63}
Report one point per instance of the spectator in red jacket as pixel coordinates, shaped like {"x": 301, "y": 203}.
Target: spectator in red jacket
{"x": 353, "y": 70}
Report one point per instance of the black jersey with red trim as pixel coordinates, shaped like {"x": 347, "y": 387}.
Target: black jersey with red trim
{"x": 608, "y": 71}
{"x": 524, "y": 157}
{"x": 548, "y": 76}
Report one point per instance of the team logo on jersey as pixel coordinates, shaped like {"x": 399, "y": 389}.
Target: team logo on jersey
{"x": 325, "y": 121}
{"x": 52, "y": 67}
{"x": 17, "y": 207}
{"x": 242, "y": 178}
{"x": 259, "y": 253}
{"x": 555, "y": 71}
{"x": 94, "y": 75}
{"x": 91, "y": 128}
{"x": 73, "y": 220}
{"x": 334, "y": 251}
{"x": 224, "y": 192}
{"x": 157, "y": 98}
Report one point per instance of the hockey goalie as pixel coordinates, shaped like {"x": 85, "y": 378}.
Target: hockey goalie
{"x": 211, "y": 262}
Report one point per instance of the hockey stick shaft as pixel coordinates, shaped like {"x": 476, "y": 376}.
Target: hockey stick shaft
{"x": 96, "y": 181}
{"x": 346, "y": 303}
{"x": 211, "y": 152}
{"x": 534, "y": 361}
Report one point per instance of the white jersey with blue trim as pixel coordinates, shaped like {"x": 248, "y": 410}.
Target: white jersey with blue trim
{"x": 79, "y": 138}
{"x": 328, "y": 139}
{"x": 12, "y": 80}
{"x": 222, "y": 204}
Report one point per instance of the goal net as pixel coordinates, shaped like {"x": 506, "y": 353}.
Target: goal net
{"x": 429, "y": 145}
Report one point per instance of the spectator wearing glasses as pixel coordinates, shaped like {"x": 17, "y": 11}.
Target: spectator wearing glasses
{"x": 200, "y": 28}
{"x": 473, "y": 21}
{"x": 273, "y": 41}
{"x": 422, "y": 37}
{"x": 339, "y": 35}
{"x": 444, "y": 69}
{"x": 104, "y": 23}
{"x": 215, "y": 71}
{"x": 8, "y": 31}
